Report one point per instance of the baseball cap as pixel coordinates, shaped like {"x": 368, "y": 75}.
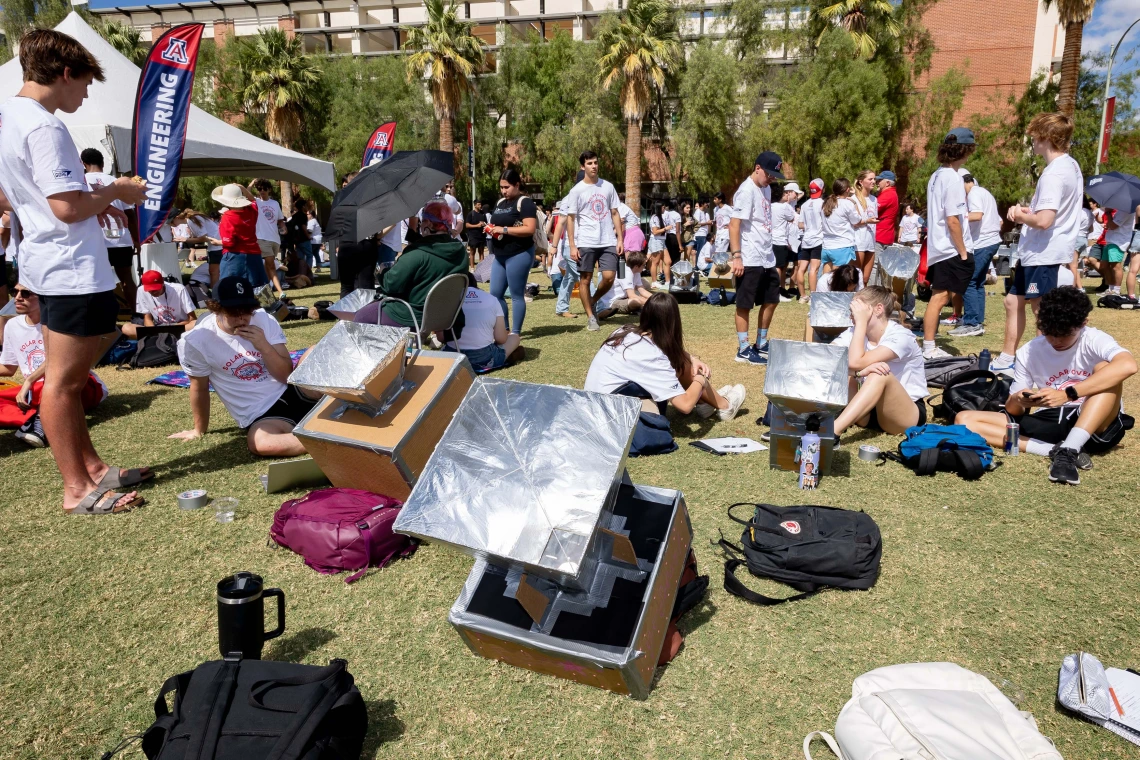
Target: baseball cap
{"x": 961, "y": 135}
{"x": 816, "y": 187}
{"x": 771, "y": 163}
{"x": 235, "y": 293}
{"x": 152, "y": 281}
{"x": 793, "y": 187}
{"x": 887, "y": 174}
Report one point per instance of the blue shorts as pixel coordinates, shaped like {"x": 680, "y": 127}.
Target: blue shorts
{"x": 486, "y": 358}
{"x": 1034, "y": 282}
{"x": 247, "y": 265}
{"x": 837, "y": 257}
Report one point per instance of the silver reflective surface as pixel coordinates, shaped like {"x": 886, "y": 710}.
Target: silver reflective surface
{"x": 681, "y": 268}
{"x": 523, "y": 473}
{"x": 830, "y": 309}
{"x": 806, "y": 377}
{"x": 898, "y": 261}
{"x": 720, "y": 258}
{"x": 352, "y": 303}
{"x": 348, "y": 358}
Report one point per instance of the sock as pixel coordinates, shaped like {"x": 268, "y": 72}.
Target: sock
{"x": 928, "y": 345}
{"x": 742, "y": 338}
{"x": 1076, "y": 439}
{"x": 761, "y": 336}
{"x": 1040, "y": 448}
{"x": 1005, "y": 358}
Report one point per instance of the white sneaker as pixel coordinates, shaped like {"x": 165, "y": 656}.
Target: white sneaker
{"x": 997, "y": 366}
{"x": 659, "y": 286}
{"x": 936, "y": 353}
{"x": 592, "y": 325}
{"x": 705, "y": 410}
{"x": 735, "y": 396}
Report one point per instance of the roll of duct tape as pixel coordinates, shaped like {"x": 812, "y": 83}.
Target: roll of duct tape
{"x": 868, "y": 453}
{"x": 195, "y": 499}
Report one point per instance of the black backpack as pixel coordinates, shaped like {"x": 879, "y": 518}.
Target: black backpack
{"x": 978, "y": 390}
{"x": 154, "y": 351}
{"x": 809, "y": 548}
{"x": 1116, "y": 301}
{"x": 940, "y": 371}
{"x": 236, "y": 709}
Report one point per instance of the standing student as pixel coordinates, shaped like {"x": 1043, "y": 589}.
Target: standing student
{"x": 869, "y": 212}
{"x": 121, "y": 247}
{"x": 297, "y": 232}
{"x": 477, "y": 220}
{"x": 688, "y": 232}
{"x": 633, "y": 237}
{"x": 811, "y": 244}
{"x": 316, "y": 234}
{"x": 269, "y": 222}
{"x": 594, "y": 228}
{"x": 1096, "y": 229}
{"x": 888, "y": 212}
{"x": 1118, "y": 228}
{"x": 753, "y": 260}
{"x": 63, "y": 256}
{"x": 657, "y": 246}
{"x": 840, "y": 220}
{"x": 703, "y": 222}
{"x": 511, "y": 234}
{"x": 722, "y": 218}
{"x": 909, "y": 227}
{"x": 783, "y": 219}
{"x": 561, "y": 243}
{"x": 1049, "y": 227}
{"x": 950, "y": 263}
{"x": 672, "y": 221}
{"x": 237, "y": 234}
{"x": 985, "y": 234}
{"x": 203, "y": 229}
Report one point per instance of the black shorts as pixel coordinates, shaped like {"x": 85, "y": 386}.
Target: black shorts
{"x": 783, "y": 254}
{"x": 921, "y": 404}
{"x": 602, "y": 259}
{"x": 1033, "y": 282}
{"x": 673, "y": 247}
{"x": 1053, "y": 425}
{"x": 83, "y": 316}
{"x": 807, "y": 254}
{"x": 758, "y": 285}
{"x": 291, "y": 407}
{"x": 214, "y": 257}
{"x": 121, "y": 256}
{"x": 952, "y": 274}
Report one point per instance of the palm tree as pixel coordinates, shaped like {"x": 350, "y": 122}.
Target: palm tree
{"x": 1074, "y": 14}
{"x": 448, "y": 55}
{"x": 279, "y": 77}
{"x": 637, "y": 51}
{"x": 860, "y": 18}
{"x": 126, "y": 39}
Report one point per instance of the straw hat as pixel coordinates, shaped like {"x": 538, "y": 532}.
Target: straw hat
{"x": 230, "y": 196}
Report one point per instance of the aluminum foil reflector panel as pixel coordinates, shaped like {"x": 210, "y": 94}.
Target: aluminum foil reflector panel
{"x": 362, "y": 364}
{"x": 806, "y": 378}
{"x": 830, "y": 309}
{"x": 898, "y": 261}
{"x": 523, "y": 474}
{"x": 346, "y": 307}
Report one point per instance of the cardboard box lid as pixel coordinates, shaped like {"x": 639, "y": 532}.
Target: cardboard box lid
{"x": 523, "y": 474}
{"x": 803, "y": 378}
{"x": 830, "y": 309}
{"x": 358, "y": 363}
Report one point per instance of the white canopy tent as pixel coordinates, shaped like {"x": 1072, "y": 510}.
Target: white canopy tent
{"x": 212, "y": 146}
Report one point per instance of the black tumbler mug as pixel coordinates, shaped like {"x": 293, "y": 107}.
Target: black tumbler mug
{"x": 241, "y": 615}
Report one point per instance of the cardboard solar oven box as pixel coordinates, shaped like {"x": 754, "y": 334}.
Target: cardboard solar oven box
{"x": 577, "y": 568}
{"x": 806, "y": 382}
{"x": 382, "y": 413}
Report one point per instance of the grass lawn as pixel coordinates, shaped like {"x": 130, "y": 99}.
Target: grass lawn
{"x": 1004, "y": 576}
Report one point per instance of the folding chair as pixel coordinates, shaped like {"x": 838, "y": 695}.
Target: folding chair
{"x": 441, "y": 307}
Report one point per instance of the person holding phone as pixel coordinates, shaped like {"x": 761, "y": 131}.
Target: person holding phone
{"x": 1067, "y": 386}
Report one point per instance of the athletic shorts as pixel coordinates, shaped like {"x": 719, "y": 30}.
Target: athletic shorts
{"x": 602, "y": 259}
{"x": 121, "y": 256}
{"x": 291, "y": 406}
{"x": 83, "y": 316}
{"x": 837, "y": 257}
{"x": 757, "y": 286}
{"x": 634, "y": 240}
{"x": 622, "y": 305}
{"x": 214, "y": 257}
{"x": 1112, "y": 253}
{"x": 920, "y": 403}
{"x": 808, "y": 254}
{"x": 1094, "y": 252}
{"x": 1034, "y": 282}
{"x": 783, "y": 254}
{"x": 953, "y": 274}
{"x": 1083, "y": 249}
{"x": 1053, "y": 425}
{"x": 269, "y": 249}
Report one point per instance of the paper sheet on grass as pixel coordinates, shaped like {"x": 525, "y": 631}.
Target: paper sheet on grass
{"x": 730, "y": 445}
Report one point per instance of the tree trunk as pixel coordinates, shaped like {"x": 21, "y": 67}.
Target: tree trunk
{"x": 633, "y": 164}
{"x": 1070, "y": 68}
{"x": 446, "y": 138}
{"x": 286, "y": 198}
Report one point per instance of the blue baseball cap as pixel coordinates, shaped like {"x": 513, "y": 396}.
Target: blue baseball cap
{"x": 961, "y": 135}
{"x": 887, "y": 174}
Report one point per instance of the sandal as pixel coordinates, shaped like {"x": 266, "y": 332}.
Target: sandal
{"x": 103, "y": 503}
{"x": 114, "y": 478}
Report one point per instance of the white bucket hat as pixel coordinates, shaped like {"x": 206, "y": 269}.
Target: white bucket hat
{"x": 793, "y": 187}
{"x": 230, "y": 196}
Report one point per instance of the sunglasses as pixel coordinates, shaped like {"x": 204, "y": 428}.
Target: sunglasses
{"x": 22, "y": 293}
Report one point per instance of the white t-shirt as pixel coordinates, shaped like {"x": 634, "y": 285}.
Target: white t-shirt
{"x": 1065, "y": 277}
{"x": 1061, "y": 188}
{"x": 12, "y": 251}
{"x": 268, "y": 215}
{"x": 480, "y": 310}
{"x": 704, "y": 256}
{"x": 812, "y": 212}
{"x": 946, "y": 197}
{"x": 315, "y": 231}
{"x": 173, "y": 305}
{"x": 1039, "y": 365}
{"x": 783, "y": 218}
{"x": 752, "y": 205}
{"x": 39, "y": 160}
{"x": 909, "y": 228}
{"x": 656, "y": 242}
{"x": 1122, "y": 235}
{"x": 1097, "y": 224}
{"x": 623, "y": 287}
{"x": 721, "y": 217}
{"x": 591, "y": 207}
{"x": 839, "y": 228}
{"x": 907, "y": 366}
{"x": 672, "y": 221}
{"x": 234, "y": 366}
{"x": 394, "y": 238}
{"x": 1086, "y": 225}
{"x": 865, "y": 235}
{"x": 628, "y": 216}
{"x": 637, "y": 359}
{"x": 987, "y": 230}
{"x": 23, "y": 345}
{"x": 181, "y": 232}
{"x": 456, "y": 211}
{"x": 204, "y": 226}
{"x": 100, "y": 179}
{"x": 700, "y": 216}
{"x": 823, "y": 284}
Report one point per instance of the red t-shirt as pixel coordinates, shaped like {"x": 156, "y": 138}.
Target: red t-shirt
{"x": 238, "y": 230}
{"x": 888, "y": 216}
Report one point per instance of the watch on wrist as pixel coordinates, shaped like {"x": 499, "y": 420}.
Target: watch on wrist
{"x": 1071, "y": 392}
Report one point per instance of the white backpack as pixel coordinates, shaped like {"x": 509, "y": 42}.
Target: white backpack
{"x": 932, "y": 711}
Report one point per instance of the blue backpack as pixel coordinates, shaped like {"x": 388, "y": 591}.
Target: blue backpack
{"x": 947, "y": 448}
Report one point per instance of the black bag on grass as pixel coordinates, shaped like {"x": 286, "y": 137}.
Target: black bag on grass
{"x": 808, "y": 548}
{"x": 154, "y": 351}
{"x": 236, "y": 709}
{"x": 978, "y": 390}
{"x": 941, "y": 371}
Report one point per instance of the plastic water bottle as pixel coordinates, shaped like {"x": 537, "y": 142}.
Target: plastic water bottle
{"x": 984, "y": 359}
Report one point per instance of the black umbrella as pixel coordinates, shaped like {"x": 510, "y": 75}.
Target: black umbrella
{"x": 1114, "y": 190}
{"x": 384, "y": 193}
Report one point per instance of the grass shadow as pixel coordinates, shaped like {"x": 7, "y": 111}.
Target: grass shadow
{"x": 121, "y": 404}
{"x": 383, "y": 726}
{"x": 298, "y": 646}
{"x": 841, "y": 464}
{"x": 226, "y": 455}
{"x": 548, "y": 330}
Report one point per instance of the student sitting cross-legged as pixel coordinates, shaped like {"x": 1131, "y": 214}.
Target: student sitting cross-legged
{"x": 484, "y": 339}
{"x": 1074, "y": 374}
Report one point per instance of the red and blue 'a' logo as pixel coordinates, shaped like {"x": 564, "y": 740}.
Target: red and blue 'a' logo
{"x": 379, "y": 145}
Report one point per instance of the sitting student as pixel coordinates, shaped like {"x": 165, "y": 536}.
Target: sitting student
{"x": 429, "y": 259}
{"x": 161, "y": 303}
{"x": 1076, "y": 374}
{"x": 845, "y": 279}
{"x": 650, "y": 358}
{"x": 240, "y": 350}
{"x": 484, "y": 339}
{"x": 885, "y": 357}
{"x": 24, "y": 351}
{"x": 628, "y": 294}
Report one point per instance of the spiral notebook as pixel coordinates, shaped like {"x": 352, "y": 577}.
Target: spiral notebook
{"x": 1124, "y": 688}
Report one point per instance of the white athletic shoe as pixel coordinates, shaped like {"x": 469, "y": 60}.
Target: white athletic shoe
{"x": 659, "y": 286}
{"x": 705, "y": 410}
{"x": 936, "y": 353}
{"x": 735, "y": 396}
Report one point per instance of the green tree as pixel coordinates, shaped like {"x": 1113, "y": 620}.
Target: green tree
{"x": 126, "y": 39}
{"x": 448, "y": 55}
{"x": 637, "y": 51}
{"x": 865, "y": 21}
{"x": 707, "y": 152}
{"x": 1074, "y": 14}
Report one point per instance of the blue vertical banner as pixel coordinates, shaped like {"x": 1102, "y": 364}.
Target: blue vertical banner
{"x": 162, "y": 116}
{"x": 379, "y": 146}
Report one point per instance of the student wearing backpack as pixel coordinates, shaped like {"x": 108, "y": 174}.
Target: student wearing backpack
{"x": 510, "y": 236}
{"x": 1066, "y": 391}
{"x": 888, "y": 379}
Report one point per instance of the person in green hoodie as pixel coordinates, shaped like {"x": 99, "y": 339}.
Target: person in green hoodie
{"x": 425, "y": 262}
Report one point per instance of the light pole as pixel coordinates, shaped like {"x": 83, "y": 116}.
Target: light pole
{"x": 1107, "y": 85}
